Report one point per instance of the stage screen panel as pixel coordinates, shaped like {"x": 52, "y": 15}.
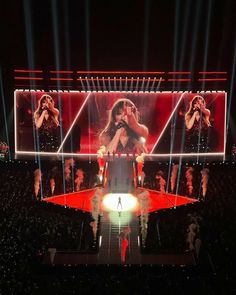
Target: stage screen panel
{"x": 156, "y": 123}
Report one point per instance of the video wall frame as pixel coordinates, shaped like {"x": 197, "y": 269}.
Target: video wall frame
{"x": 156, "y": 123}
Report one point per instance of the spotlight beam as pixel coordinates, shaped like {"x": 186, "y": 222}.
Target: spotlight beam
{"x": 163, "y": 130}
{"x": 76, "y": 117}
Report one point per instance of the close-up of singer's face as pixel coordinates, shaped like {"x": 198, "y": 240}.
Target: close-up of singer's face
{"x": 119, "y": 115}
{"x": 121, "y": 109}
{"x": 198, "y": 102}
{"x": 44, "y": 103}
{"x": 45, "y": 100}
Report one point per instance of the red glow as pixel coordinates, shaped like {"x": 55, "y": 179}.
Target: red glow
{"x": 117, "y": 72}
{"x": 61, "y": 72}
{"x": 122, "y": 79}
{"x": 82, "y": 200}
{"x": 155, "y": 108}
{"x": 61, "y": 79}
{"x": 180, "y": 80}
{"x": 179, "y": 73}
{"x": 209, "y": 73}
{"x": 28, "y": 78}
{"x": 28, "y": 71}
{"x": 213, "y": 79}
{"x": 56, "y": 86}
{"x": 27, "y": 85}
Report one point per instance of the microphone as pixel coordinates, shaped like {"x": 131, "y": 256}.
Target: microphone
{"x": 119, "y": 125}
{"x": 196, "y": 109}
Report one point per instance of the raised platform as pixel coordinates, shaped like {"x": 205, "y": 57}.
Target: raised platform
{"x": 82, "y": 200}
{"x": 111, "y": 224}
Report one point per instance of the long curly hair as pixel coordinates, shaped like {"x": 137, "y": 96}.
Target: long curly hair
{"x": 110, "y": 128}
{"x": 191, "y": 109}
{"x": 42, "y": 99}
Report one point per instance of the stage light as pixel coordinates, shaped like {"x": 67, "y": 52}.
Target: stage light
{"x": 100, "y": 241}
{"x": 137, "y": 84}
{"x": 120, "y": 83}
{"x": 126, "y": 83}
{"x": 142, "y": 140}
{"x": 109, "y": 84}
{"x": 120, "y": 202}
{"x": 120, "y": 219}
{"x": 93, "y": 85}
{"x": 142, "y": 85}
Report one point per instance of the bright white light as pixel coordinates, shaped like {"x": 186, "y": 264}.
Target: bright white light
{"x": 120, "y": 202}
{"x": 142, "y": 140}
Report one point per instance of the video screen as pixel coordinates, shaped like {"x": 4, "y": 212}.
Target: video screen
{"x": 158, "y": 123}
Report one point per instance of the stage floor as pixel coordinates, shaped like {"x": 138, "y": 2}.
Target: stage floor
{"x": 82, "y": 200}
{"x": 111, "y": 224}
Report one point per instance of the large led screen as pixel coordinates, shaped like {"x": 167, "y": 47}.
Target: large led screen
{"x": 157, "y": 123}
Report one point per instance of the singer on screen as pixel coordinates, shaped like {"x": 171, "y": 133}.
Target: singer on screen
{"x": 46, "y": 119}
{"x": 197, "y": 122}
{"x": 124, "y": 133}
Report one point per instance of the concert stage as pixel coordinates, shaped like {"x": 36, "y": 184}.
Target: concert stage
{"x": 82, "y": 200}
{"x": 111, "y": 224}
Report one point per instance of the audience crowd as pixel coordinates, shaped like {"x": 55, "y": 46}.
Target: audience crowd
{"x": 29, "y": 227}
{"x": 205, "y": 227}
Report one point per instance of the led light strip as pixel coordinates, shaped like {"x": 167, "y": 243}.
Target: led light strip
{"x": 117, "y": 155}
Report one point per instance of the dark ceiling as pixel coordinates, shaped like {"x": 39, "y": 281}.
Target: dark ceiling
{"x": 151, "y": 35}
{"x": 112, "y": 35}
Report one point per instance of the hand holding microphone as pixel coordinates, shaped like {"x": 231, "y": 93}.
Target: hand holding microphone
{"x": 197, "y": 109}
{"x": 122, "y": 124}
{"x": 45, "y": 110}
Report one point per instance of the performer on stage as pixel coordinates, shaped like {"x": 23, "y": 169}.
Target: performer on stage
{"x": 124, "y": 133}
{"x": 119, "y": 204}
{"x": 124, "y": 243}
{"x": 197, "y": 122}
{"x": 46, "y": 119}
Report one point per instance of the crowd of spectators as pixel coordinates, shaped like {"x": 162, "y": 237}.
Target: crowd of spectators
{"x": 29, "y": 227}
{"x": 206, "y": 227}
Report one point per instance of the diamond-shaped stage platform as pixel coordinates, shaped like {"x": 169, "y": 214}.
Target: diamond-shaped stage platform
{"x": 110, "y": 227}
{"x": 82, "y": 200}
